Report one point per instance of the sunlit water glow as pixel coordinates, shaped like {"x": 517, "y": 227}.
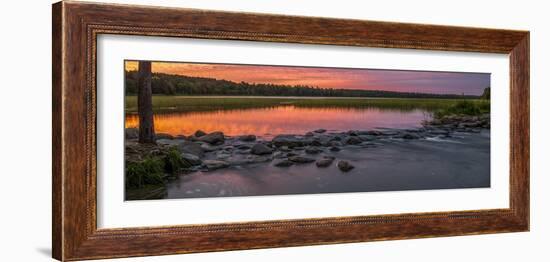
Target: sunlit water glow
{"x": 267, "y": 122}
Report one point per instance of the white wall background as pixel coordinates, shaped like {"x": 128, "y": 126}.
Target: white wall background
{"x": 25, "y": 145}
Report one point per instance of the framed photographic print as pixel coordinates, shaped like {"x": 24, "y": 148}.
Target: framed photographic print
{"x": 181, "y": 130}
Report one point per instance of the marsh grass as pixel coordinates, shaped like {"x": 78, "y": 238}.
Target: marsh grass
{"x": 166, "y": 104}
{"x": 465, "y": 107}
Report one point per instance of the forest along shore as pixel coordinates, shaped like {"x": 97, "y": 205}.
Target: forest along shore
{"x": 150, "y": 166}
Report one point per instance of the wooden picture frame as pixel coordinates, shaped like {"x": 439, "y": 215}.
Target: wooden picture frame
{"x": 76, "y": 26}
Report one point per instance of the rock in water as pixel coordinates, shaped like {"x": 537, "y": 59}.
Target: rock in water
{"x": 320, "y": 131}
{"x": 352, "y": 140}
{"x": 290, "y": 141}
{"x": 214, "y": 138}
{"x": 215, "y": 164}
{"x": 200, "y": 133}
{"x": 334, "y": 149}
{"x": 248, "y": 138}
{"x": 325, "y": 161}
{"x": 301, "y": 159}
{"x": 260, "y": 149}
{"x": 313, "y": 150}
{"x": 283, "y": 163}
{"x": 191, "y": 159}
{"x": 191, "y": 148}
{"x": 345, "y": 166}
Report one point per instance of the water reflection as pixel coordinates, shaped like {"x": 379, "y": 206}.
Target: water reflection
{"x": 286, "y": 119}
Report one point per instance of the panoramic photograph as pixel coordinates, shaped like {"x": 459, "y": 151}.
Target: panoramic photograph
{"x": 199, "y": 130}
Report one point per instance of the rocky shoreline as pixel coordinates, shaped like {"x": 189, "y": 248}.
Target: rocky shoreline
{"x": 212, "y": 151}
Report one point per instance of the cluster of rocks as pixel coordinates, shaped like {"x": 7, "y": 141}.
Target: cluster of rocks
{"x": 461, "y": 123}
{"x": 210, "y": 151}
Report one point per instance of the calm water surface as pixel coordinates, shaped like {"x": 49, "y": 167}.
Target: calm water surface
{"x": 289, "y": 119}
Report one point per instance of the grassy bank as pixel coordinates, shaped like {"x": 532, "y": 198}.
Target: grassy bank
{"x": 465, "y": 108}
{"x": 191, "y": 104}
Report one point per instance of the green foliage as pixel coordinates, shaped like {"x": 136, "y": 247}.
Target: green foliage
{"x": 486, "y": 93}
{"x": 147, "y": 172}
{"x": 167, "y": 84}
{"x": 167, "y": 104}
{"x": 173, "y": 162}
{"x": 465, "y": 107}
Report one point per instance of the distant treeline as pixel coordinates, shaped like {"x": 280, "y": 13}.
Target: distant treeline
{"x": 167, "y": 84}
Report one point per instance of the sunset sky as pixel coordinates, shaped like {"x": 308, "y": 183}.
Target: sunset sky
{"x": 342, "y": 78}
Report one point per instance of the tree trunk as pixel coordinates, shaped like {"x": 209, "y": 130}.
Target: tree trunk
{"x": 145, "y": 103}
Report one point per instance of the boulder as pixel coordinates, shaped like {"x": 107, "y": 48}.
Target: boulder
{"x": 345, "y": 166}
{"x": 320, "y": 131}
{"x": 214, "y": 138}
{"x": 310, "y": 134}
{"x": 191, "y": 148}
{"x": 366, "y": 137}
{"x": 290, "y": 141}
{"x": 313, "y": 150}
{"x": 334, "y": 149}
{"x": 248, "y": 138}
{"x": 325, "y": 161}
{"x": 215, "y": 164}
{"x": 410, "y": 136}
{"x": 352, "y": 140}
{"x": 283, "y": 163}
{"x": 260, "y": 149}
{"x": 301, "y": 159}
{"x": 200, "y": 133}
{"x": 251, "y": 159}
{"x": 190, "y": 159}
{"x": 131, "y": 133}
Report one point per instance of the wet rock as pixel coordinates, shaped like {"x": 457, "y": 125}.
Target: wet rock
{"x": 163, "y": 136}
{"x": 191, "y": 148}
{"x": 243, "y": 146}
{"x": 313, "y": 150}
{"x": 209, "y": 148}
{"x": 290, "y": 141}
{"x": 345, "y": 166}
{"x": 366, "y": 137}
{"x": 352, "y": 140}
{"x": 257, "y": 159}
{"x": 200, "y": 133}
{"x": 248, "y": 138}
{"x": 320, "y": 131}
{"x": 190, "y": 159}
{"x": 283, "y": 163}
{"x": 301, "y": 159}
{"x": 335, "y": 143}
{"x": 334, "y": 149}
{"x": 409, "y": 136}
{"x": 285, "y": 149}
{"x": 279, "y": 154}
{"x": 325, "y": 161}
{"x": 214, "y": 138}
{"x": 316, "y": 143}
{"x": 374, "y": 133}
{"x": 131, "y": 133}
{"x": 243, "y": 152}
{"x": 223, "y": 155}
{"x": 261, "y": 149}
{"x": 215, "y": 164}
{"x": 309, "y": 134}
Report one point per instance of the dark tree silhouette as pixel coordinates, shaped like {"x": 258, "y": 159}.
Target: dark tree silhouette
{"x": 145, "y": 103}
{"x": 167, "y": 84}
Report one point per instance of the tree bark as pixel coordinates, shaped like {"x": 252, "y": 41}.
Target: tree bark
{"x": 145, "y": 103}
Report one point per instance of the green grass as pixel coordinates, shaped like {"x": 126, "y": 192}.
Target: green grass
{"x": 147, "y": 172}
{"x": 465, "y": 107}
{"x": 162, "y": 104}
